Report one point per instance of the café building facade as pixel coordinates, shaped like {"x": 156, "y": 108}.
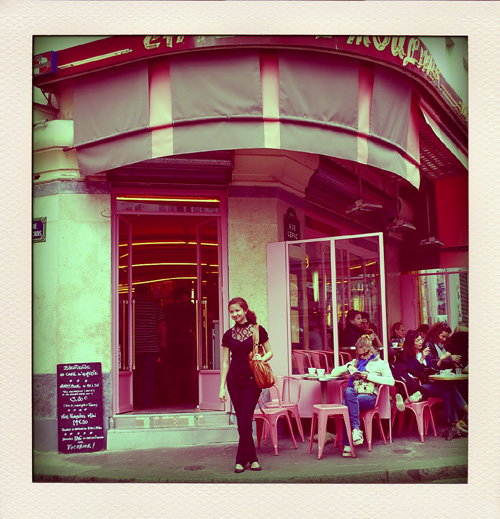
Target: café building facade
{"x": 307, "y": 174}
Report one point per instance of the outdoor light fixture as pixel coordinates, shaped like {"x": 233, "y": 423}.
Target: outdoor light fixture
{"x": 432, "y": 241}
{"x": 401, "y": 225}
{"x": 363, "y": 207}
{"x": 360, "y": 206}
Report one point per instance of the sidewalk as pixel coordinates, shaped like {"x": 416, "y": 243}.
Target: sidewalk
{"x": 406, "y": 460}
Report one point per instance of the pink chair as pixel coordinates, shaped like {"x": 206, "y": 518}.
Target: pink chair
{"x": 367, "y": 417}
{"x": 320, "y": 415}
{"x": 432, "y": 401}
{"x": 319, "y": 359}
{"x": 288, "y": 399}
{"x": 269, "y": 416}
{"x": 418, "y": 409}
{"x": 344, "y": 357}
{"x": 302, "y": 361}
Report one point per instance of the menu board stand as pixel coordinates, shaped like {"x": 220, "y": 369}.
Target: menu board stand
{"x": 80, "y": 416}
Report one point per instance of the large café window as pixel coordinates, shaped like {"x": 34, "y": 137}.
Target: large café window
{"x": 317, "y": 311}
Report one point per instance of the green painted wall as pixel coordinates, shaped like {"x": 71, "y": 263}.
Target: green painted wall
{"x": 72, "y": 282}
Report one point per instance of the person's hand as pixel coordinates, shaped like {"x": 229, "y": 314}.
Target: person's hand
{"x": 363, "y": 375}
{"x": 222, "y": 396}
{"x": 257, "y": 356}
{"x": 456, "y": 358}
{"x": 445, "y": 356}
{"x": 426, "y": 351}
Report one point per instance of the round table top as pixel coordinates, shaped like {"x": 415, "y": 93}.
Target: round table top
{"x": 324, "y": 378}
{"x": 450, "y": 376}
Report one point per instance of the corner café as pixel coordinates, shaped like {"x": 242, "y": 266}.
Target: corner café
{"x": 268, "y": 167}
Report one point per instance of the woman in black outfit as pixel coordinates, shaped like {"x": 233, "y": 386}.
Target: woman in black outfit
{"x": 243, "y": 389}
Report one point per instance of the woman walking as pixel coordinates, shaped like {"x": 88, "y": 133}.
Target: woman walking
{"x": 237, "y": 343}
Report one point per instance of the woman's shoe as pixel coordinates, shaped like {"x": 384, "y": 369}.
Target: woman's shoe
{"x": 255, "y": 466}
{"x": 400, "y": 405}
{"x": 239, "y": 468}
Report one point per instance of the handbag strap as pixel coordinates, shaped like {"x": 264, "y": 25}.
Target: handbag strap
{"x": 255, "y": 338}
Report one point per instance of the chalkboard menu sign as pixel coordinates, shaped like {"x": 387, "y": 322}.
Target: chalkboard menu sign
{"x": 79, "y": 407}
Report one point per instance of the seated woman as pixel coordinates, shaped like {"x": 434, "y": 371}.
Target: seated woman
{"x": 399, "y": 370}
{"x": 435, "y": 341}
{"x": 366, "y": 372}
{"x": 418, "y": 360}
{"x": 397, "y": 333}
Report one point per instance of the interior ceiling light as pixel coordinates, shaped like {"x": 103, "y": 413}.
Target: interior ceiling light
{"x": 160, "y": 199}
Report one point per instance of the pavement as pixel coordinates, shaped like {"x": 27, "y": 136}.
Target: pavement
{"x": 405, "y": 460}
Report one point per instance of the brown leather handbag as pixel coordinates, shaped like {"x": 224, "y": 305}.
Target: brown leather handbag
{"x": 261, "y": 369}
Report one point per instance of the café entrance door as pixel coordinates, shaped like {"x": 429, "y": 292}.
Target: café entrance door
{"x": 177, "y": 258}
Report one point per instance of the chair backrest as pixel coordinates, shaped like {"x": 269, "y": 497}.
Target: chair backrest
{"x": 344, "y": 357}
{"x": 291, "y": 389}
{"x": 400, "y": 382}
{"x": 274, "y": 395}
{"x": 302, "y": 361}
{"x": 319, "y": 359}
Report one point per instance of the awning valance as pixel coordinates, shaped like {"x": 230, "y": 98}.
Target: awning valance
{"x": 240, "y": 99}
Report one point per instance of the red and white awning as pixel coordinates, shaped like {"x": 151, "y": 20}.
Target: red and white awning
{"x": 306, "y": 101}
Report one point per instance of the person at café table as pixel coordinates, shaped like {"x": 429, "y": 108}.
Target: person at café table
{"x": 435, "y": 341}
{"x": 418, "y": 359}
{"x": 397, "y": 333}
{"x": 367, "y": 372}
{"x": 353, "y": 330}
{"x": 369, "y": 329}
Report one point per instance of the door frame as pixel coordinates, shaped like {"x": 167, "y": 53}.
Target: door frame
{"x": 222, "y": 216}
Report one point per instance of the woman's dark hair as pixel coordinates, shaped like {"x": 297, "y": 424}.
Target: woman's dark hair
{"x": 251, "y": 317}
{"x": 409, "y": 344}
{"x": 423, "y": 328}
{"x": 396, "y": 326}
{"x": 436, "y": 330}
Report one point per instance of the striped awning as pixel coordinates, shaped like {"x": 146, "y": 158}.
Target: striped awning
{"x": 241, "y": 99}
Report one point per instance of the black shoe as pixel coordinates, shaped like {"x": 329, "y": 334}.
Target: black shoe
{"x": 239, "y": 471}
{"x": 256, "y": 468}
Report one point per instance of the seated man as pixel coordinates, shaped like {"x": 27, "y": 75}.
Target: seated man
{"x": 366, "y": 372}
{"x": 353, "y": 330}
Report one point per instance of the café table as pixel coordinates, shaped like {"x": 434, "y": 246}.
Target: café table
{"x": 324, "y": 381}
{"x": 449, "y": 377}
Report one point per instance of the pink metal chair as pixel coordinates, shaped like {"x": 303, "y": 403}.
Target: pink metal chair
{"x": 418, "y": 409}
{"x": 269, "y": 416}
{"x": 320, "y": 415}
{"x": 287, "y": 398}
{"x": 432, "y": 401}
{"x": 319, "y": 359}
{"x": 367, "y": 417}
{"x": 344, "y": 357}
{"x": 302, "y": 361}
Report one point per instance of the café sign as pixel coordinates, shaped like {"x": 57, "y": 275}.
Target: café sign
{"x": 39, "y": 229}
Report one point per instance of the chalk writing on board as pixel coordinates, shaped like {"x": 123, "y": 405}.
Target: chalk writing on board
{"x": 80, "y": 409}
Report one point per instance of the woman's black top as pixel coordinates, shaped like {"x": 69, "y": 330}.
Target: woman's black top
{"x": 239, "y": 340}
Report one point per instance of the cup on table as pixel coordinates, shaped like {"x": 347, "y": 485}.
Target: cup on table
{"x": 312, "y": 371}
{"x": 321, "y": 372}
{"x": 458, "y": 371}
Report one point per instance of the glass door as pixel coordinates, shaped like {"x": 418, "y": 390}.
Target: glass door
{"x": 208, "y": 299}
{"x": 326, "y": 278}
{"x": 126, "y": 350}
{"x": 360, "y": 282}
